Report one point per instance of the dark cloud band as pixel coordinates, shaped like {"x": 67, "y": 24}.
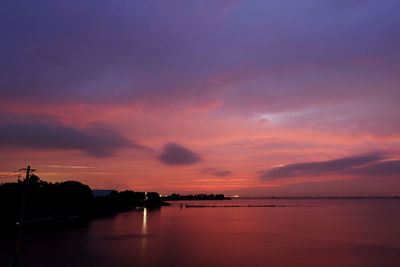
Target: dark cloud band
{"x": 341, "y": 165}
{"x": 97, "y": 142}
{"x": 174, "y": 154}
{"x": 216, "y": 172}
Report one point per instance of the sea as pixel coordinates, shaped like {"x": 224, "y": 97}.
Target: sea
{"x": 237, "y": 232}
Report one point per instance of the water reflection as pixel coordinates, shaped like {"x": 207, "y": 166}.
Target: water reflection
{"x": 317, "y": 233}
{"x": 144, "y": 235}
{"x": 144, "y": 223}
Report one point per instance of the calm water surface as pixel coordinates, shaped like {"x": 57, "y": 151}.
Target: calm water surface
{"x": 317, "y": 233}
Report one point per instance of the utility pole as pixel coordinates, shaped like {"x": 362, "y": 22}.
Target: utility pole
{"x": 22, "y": 213}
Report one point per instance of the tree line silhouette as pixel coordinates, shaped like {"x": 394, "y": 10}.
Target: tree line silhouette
{"x": 47, "y": 203}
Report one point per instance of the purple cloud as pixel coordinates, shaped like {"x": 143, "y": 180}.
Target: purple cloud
{"x": 111, "y": 52}
{"x": 216, "y": 172}
{"x": 340, "y": 165}
{"x": 222, "y": 173}
{"x": 384, "y": 168}
{"x": 174, "y": 154}
{"x": 97, "y": 142}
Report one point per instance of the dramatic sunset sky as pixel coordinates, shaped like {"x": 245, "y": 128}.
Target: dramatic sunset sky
{"x": 256, "y": 98}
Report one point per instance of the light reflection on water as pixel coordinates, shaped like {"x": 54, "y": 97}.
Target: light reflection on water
{"x": 318, "y": 233}
{"x": 144, "y": 237}
{"x": 144, "y": 223}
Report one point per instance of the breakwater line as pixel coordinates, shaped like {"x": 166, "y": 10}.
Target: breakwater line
{"x": 240, "y": 206}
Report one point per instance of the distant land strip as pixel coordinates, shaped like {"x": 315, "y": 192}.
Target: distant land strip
{"x": 326, "y": 197}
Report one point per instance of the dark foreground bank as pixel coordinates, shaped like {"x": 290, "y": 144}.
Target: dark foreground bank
{"x": 43, "y": 205}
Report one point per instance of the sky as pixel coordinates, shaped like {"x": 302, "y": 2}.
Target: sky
{"x": 249, "y": 98}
